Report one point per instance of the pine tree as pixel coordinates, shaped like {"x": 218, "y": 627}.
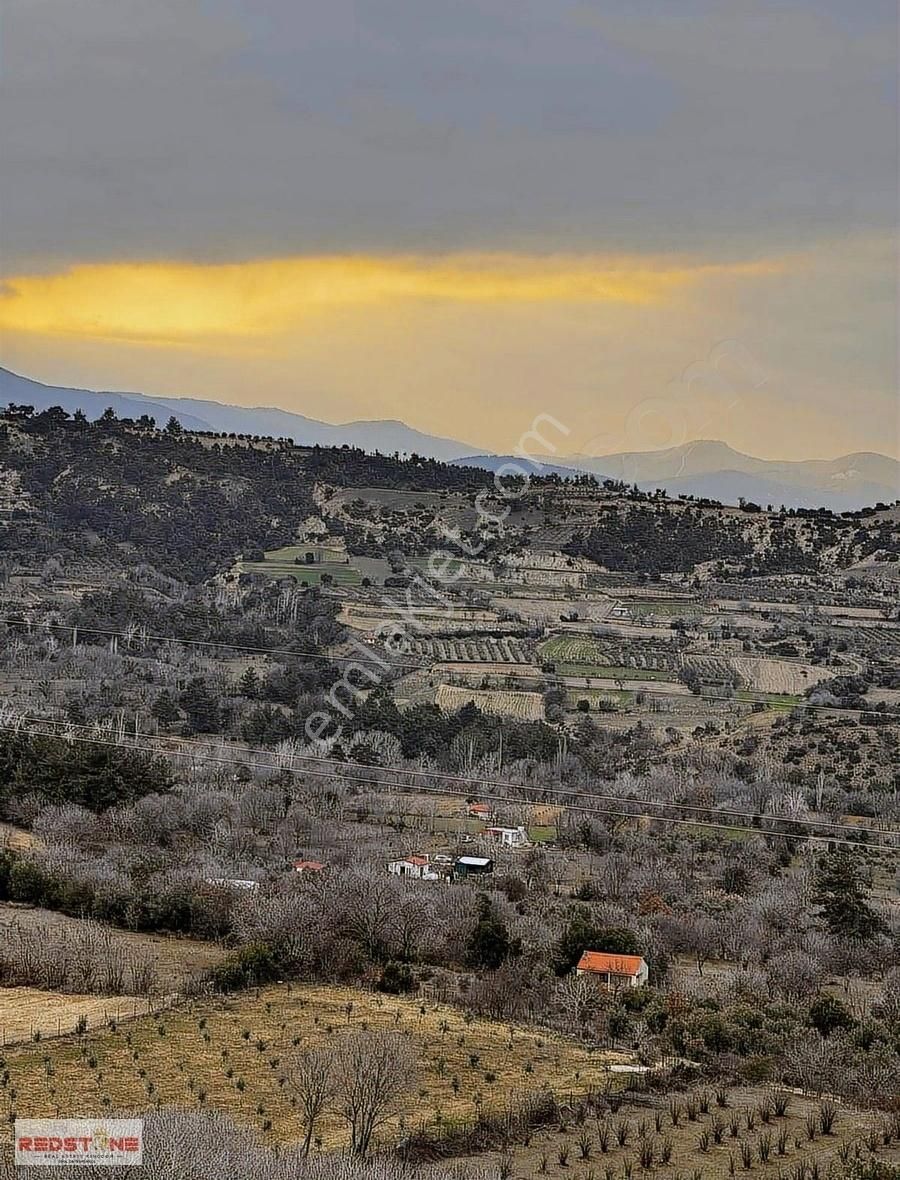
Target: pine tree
{"x": 840, "y": 892}
{"x": 489, "y": 943}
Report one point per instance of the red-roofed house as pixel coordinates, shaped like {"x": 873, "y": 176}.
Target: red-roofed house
{"x": 613, "y": 971}
{"x": 308, "y": 866}
{"x": 482, "y": 811}
{"x": 414, "y": 866}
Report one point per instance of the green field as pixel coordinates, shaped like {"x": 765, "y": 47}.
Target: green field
{"x": 542, "y": 834}
{"x": 572, "y": 649}
{"x": 280, "y": 563}
{"x": 773, "y": 700}
{"x": 672, "y": 609}
{"x": 612, "y": 672}
{"x": 286, "y": 554}
{"x": 451, "y": 568}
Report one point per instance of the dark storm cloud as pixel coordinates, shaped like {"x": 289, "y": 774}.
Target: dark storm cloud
{"x": 180, "y": 128}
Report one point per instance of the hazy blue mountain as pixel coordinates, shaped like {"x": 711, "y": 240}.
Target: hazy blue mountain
{"x": 25, "y": 392}
{"x": 197, "y": 414}
{"x": 703, "y": 468}
{"x": 714, "y": 470}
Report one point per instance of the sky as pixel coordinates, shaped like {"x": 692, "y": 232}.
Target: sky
{"x": 654, "y": 220}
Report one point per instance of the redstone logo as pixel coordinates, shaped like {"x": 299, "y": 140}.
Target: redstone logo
{"x": 56, "y": 1143}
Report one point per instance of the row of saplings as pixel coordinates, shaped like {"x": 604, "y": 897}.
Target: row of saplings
{"x": 363, "y": 1077}
{"x": 649, "y": 1139}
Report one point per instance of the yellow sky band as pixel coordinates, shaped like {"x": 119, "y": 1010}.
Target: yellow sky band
{"x": 189, "y": 302}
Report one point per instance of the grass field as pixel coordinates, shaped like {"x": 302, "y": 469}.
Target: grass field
{"x": 668, "y": 609}
{"x": 577, "y": 1151}
{"x": 451, "y": 568}
{"x": 281, "y": 563}
{"x": 288, "y": 553}
{"x": 594, "y": 696}
{"x": 342, "y": 575}
{"x": 521, "y": 706}
{"x": 25, "y": 1011}
{"x": 611, "y": 672}
{"x": 232, "y": 1055}
{"x": 572, "y": 649}
{"x": 780, "y": 701}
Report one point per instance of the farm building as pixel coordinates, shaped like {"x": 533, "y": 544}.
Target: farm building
{"x": 414, "y": 866}
{"x": 508, "y": 837}
{"x": 308, "y": 866}
{"x": 234, "y": 883}
{"x": 480, "y": 810}
{"x": 472, "y": 866}
{"x": 613, "y": 971}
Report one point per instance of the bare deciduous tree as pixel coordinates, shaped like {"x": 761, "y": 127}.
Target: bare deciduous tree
{"x": 312, "y": 1076}
{"x": 375, "y": 1071}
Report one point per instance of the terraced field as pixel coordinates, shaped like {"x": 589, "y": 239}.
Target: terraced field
{"x": 611, "y": 672}
{"x": 472, "y": 649}
{"x": 234, "y": 1055}
{"x": 776, "y": 676}
{"x": 282, "y": 563}
{"x": 574, "y": 649}
{"x": 520, "y": 706}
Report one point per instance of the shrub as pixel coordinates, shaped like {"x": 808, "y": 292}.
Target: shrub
{"x": 251, "y": 966}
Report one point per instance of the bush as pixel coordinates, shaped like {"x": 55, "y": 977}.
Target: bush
{"x": 251, "y": 966}
{"x": 396, "y": 979}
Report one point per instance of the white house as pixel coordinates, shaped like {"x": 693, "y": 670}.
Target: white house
{"x": 508, "y": 837}
{"x": 613, "y": 971}
{"x": 234, "y": 883}
{"x": 414, "y": 866}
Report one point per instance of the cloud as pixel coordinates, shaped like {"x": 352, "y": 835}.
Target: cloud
{"x": 223, "y": 131}
{"x": 187, "y": 303}
{"x": 459, "y": 212}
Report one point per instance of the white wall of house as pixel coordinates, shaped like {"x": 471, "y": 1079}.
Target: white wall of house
{"x": 509, "y": 837}
{"x": 405, "y": 868}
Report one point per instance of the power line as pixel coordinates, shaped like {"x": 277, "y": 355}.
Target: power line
{"x": 64, "y": 727}
{"x": 139, "y": 634}
{"x": 750, "y": 697}
{"x": 506, "y": 784}
{"x": 502, "y": 784}
{"x": 420, "y": 788}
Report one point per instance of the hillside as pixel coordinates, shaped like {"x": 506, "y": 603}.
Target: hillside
{"x": 707, "y": 469}
{"x": 386, "y": 437}
{"x": 112, "y": 493}
{"x": 122, "y": 492}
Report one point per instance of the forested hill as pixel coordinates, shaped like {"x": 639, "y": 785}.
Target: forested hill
{"x": 117, "y": 492}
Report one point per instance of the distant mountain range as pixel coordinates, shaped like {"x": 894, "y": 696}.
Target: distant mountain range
{"x": 196, "y": 414}
{"x": 714, "y": 470}
{"x": 703, "y": 468}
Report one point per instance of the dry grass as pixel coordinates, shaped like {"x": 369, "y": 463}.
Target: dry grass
{"x": 26, "y": 1010}
{"x": 16, "y": 838}
{"x": 465, "y": 1065}
{"x": 521, "y": 706}
{"x": 778, "y": 676}
{"x": 541, "y": 1156}
{"x": 176, "y": 959}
